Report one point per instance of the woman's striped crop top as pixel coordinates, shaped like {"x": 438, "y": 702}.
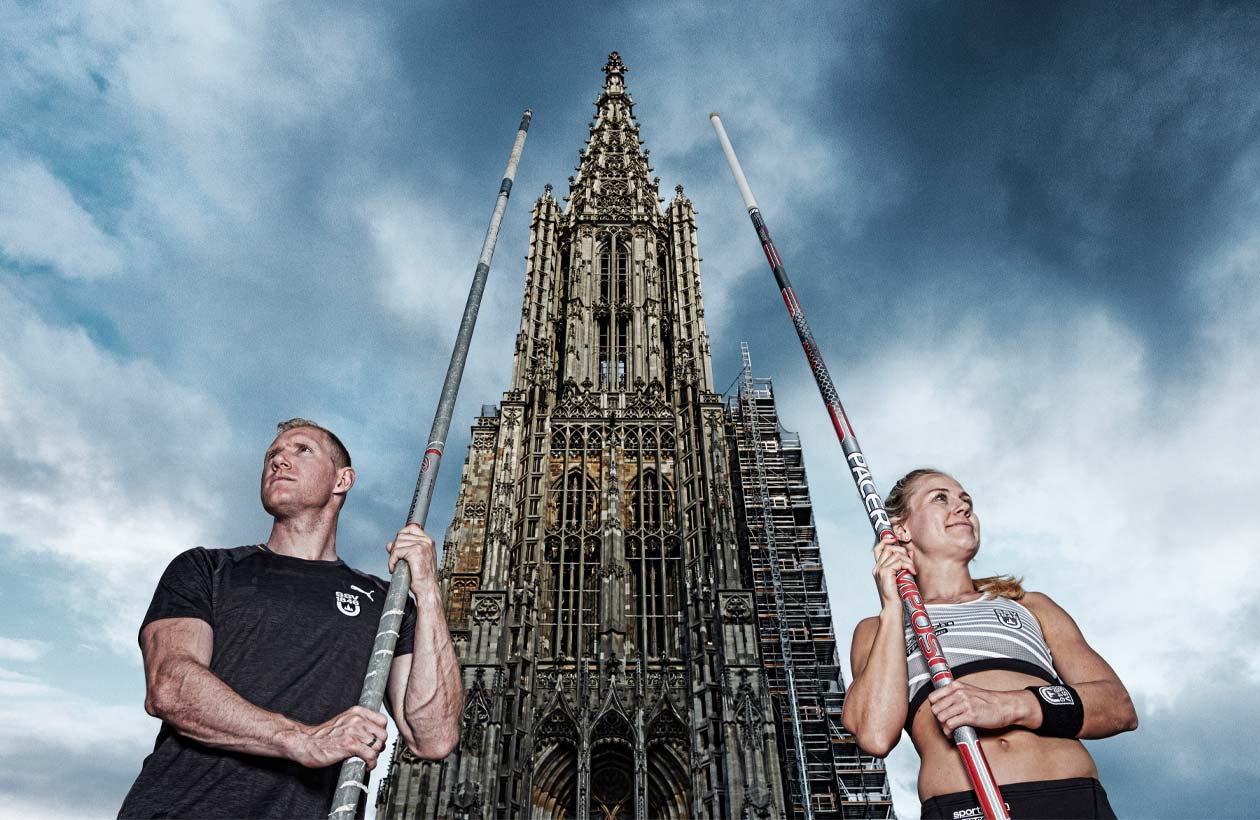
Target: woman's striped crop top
{"x": 987, "y": 633}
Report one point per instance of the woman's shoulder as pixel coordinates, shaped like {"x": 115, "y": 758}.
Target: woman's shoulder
{"x": 1034, "y": 600}
{"x": 866, "y": 626}
{"x": 1043, "y": 607}
{"x": 864, "y": 633}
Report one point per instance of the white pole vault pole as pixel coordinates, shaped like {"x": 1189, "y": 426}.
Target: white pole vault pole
{"x": 352, "y": 781}
{"x": 964, "y": 737}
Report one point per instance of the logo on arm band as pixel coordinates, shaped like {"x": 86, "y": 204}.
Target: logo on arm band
{"x": 1056, "y": 695}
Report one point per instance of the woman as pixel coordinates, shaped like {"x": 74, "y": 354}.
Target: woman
{"x": 1025, "y": 678}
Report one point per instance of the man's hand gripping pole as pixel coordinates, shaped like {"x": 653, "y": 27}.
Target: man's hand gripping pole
{"x": 352, "y": 781}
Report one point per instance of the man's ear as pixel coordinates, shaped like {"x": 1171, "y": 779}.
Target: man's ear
{"x": 345, "y": 480}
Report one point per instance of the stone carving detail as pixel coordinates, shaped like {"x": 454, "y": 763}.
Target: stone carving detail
{"x": 475, "y": 509}
{"x": 737, "y": 610}
{"x": 748, "y": 713}
{"x": 647, "y": 404}
{"x": 487, "y": 610}
{"x": 525, "y": 588}
{"x": 757, "y": 803}
{"x": 612, "y": 724}
{"x": 541, "y": 374}
{"x": 667, "y": 727}
{"x": 551, "y": 679}
{"x": 483, "y": 440}
{"x": 578, "y": 404}
{"x": 466, "y": 801}
{"x": 476, "y": 716}
{"x": 674, "y": 680}
{"x": 614, "y": 200}
{"x": 557, "y": 727}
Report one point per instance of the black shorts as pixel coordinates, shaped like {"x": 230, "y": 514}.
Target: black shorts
{"x": 1075, "y": 797}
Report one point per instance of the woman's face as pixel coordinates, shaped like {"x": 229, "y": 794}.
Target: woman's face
{"x": 941, "y": 520}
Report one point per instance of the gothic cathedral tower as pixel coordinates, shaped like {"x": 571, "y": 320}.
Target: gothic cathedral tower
{"x": 592, "y": 570}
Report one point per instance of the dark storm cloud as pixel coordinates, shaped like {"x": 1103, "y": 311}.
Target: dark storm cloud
{"x": 1093, "y": 152}
{"x": 968, "y": 156}
{"x": 1192, "y": 758}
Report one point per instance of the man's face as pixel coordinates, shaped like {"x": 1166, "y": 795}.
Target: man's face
{"x": 299, "y": 474}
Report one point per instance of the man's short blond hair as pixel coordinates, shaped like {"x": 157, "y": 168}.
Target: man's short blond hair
{"x": 340, "y": 455}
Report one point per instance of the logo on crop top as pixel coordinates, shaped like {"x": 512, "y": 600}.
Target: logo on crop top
{"x": 1008, "y": 618}
{"x": 348, "y": 604}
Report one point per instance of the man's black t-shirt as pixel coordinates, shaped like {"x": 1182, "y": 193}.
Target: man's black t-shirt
{"x": 291, "y": 636}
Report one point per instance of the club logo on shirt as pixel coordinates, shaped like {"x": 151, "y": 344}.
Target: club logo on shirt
{"x": 348, "y": 604}
{"x": 1008, "y": 618}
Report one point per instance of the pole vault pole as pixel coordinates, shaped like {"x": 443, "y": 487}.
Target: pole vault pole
{"x": 352, "y": 781}
{"x": 964, "y": 737}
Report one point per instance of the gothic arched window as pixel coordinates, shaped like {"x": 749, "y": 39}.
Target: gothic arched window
{"x": 651, "y": 503}
{"x": 622, "y": 255}
{"x": 605, "y": 351}
{"x": 605, "y": 271}
{"x": 623, "y": 349}
{"x": 571, "y": 549}
{"x": 574, "y": 502}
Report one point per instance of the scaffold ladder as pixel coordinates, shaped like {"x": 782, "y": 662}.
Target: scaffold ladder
{"x": 752, "y": 437}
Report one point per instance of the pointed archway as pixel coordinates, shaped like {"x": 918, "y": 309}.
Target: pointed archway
{"x": 554, "y": 794}
{"x": 612, "y": 764}
{"x": 667, "y": 741}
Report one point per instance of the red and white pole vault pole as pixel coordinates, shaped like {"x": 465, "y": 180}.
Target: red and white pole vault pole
{"x": 352, "y": 779}
{"x": 964, "y": 737}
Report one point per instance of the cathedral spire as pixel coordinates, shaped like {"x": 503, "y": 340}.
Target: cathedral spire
{"x": 615, "y": 69}
{"x": 600, "y": 587}
{"x": 614, "y": 181}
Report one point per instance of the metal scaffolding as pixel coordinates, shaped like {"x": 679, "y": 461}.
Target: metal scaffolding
{"x": 757, "y": 487}
{"x": 825, "y": 773}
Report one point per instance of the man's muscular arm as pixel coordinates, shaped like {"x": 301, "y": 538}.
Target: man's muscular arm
{"x": 182, "y": 691}
{"x": 425, "y": 688}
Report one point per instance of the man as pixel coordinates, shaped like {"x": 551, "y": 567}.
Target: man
{"x": 254, "y": 657}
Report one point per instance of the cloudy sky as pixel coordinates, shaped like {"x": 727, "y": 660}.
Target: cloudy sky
{"x": 1027, "y": 239}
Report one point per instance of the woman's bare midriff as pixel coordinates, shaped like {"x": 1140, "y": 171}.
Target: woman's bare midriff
{"x": 1014, "y": 755}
